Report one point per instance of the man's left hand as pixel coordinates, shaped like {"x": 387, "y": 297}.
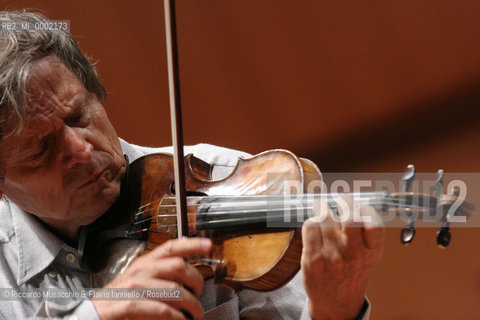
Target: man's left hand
{"x": 338, "y": 257}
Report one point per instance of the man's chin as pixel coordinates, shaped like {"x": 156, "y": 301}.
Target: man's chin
{"x": 97, "y": 206}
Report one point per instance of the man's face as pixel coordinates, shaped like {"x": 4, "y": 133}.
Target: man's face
{"x": 66, "y": 165}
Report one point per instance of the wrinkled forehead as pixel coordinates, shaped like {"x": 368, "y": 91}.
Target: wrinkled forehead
{"x": 53, "y": 91}
{"x": 51, "y": 84}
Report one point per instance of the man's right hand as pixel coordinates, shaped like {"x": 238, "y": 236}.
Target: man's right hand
{"x": 164, "y": 267}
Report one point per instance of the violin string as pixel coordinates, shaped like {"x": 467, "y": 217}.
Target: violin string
{"x": 148, "y": 204}
{"x": 219, "y": 216}
{"x": 204, "y": 225}
{"x": 230, "y": 217}
{"x": 393, "y": 199}
{"x": 392, "y": 203}
{"x": 227, "y": 216}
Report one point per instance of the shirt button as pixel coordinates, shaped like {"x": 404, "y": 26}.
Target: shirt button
{"x": 52, "y": 274}
{"x": 73, "y": 318}
{"x": 70, "y": 257}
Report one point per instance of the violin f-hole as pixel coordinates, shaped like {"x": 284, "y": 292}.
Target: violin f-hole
{"x": 188, "y": 192}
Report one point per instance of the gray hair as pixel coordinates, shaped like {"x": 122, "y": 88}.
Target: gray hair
{"x": 18, "y": 51}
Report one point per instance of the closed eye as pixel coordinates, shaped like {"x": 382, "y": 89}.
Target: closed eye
{"x": 41, "y": 152}
{"x": 74, "y": 119}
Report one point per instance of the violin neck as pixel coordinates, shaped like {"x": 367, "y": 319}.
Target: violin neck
{"x": 283, "y": 211}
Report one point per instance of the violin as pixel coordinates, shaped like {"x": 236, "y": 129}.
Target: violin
{"x": 255, "y": 244}
{"x": 248, "y": 216}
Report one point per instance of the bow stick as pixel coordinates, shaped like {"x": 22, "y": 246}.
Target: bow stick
{"x": 176, "y": 117}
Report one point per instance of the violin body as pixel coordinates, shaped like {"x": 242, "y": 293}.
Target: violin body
{"x": 236, "y": 213}
{"x": 249, "y": 256}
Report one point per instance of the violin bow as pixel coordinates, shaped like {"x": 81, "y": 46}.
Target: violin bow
{"x": 176, "y": 117}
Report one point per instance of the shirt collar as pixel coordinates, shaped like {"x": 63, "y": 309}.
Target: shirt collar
{"x": 37, "y": 246}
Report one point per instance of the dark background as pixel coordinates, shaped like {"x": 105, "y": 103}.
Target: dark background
{"x": 354, "y": 86}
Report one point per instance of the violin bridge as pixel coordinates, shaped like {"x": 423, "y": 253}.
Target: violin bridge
{"x": 166, "y": 217}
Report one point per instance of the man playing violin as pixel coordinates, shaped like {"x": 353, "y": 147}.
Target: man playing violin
{"x": 61, "y": 167}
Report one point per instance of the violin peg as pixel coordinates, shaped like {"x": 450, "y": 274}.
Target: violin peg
{"x": 407, "y": 235}
{"x": 443, "y": 237}
{"x": 438, "y": 187}
{"x": 455, "y": 191}
{"x": 408, "y": 178}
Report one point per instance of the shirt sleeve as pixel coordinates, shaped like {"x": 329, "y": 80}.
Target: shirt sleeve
{"x": 71, "y": 311}
{"x": 363, "y": 315}
{"x": 286, "y": 303}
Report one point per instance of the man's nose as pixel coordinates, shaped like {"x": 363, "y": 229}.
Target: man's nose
{"x": 78, "y": 150}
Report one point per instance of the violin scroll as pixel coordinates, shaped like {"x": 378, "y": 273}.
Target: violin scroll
{"x": 446, "y": 208}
